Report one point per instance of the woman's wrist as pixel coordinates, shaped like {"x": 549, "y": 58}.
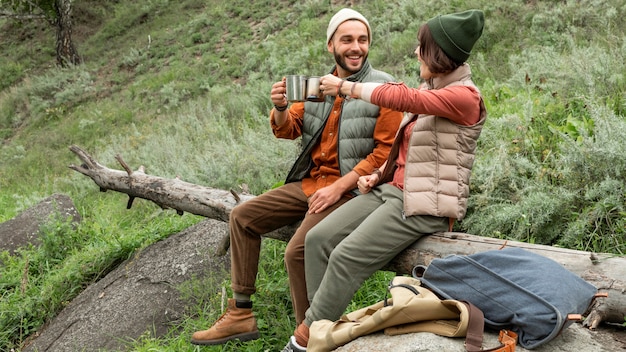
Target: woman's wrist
{"x": 352, "y": 94}
{"x": 350, "y": 91}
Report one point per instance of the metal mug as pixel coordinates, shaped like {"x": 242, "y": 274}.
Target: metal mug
{"x": 313, "y": 92}
{"x": 296, "y": 88}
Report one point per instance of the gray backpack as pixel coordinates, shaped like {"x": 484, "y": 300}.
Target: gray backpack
{"x": 516, "y": 289}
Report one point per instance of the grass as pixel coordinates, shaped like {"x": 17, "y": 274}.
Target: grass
{"x": 182, "y": 88}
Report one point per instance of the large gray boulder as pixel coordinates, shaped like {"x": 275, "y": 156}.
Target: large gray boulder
{"x": 140, "y": 296}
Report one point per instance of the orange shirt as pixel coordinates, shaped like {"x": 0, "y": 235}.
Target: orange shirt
{"x": 324, "y": 154}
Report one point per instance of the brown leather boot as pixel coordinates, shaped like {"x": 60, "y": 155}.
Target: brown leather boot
{"x": 235, "y": 324}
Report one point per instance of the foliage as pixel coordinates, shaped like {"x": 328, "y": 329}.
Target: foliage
{"x": 558, "y": 139}
{"x": 182, "y": 88}
{"x": 25, "y": 8}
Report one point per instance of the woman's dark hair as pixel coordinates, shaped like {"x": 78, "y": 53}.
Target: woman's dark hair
{"x": 432, "y": 54}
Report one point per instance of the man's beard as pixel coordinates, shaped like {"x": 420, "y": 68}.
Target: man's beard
{"x": 341, "y": 61}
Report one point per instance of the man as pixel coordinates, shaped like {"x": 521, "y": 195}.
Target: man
{"x": 421, "y": 188}
{"x": 342, "y": 139}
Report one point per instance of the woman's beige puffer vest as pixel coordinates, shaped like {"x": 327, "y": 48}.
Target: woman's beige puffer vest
{"x": 439, "y": 159}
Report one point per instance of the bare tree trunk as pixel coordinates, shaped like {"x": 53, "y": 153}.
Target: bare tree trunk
{"x": 66, "y": 52}
{"x": 606, "y": 271}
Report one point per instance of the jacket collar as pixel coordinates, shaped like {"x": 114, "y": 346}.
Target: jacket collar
{"x": 462, "y": 73}
{"x": 358, "y": 77}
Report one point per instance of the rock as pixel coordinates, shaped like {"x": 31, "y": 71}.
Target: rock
{"x": 140, "y": 296}
{"x": 24, "y": 228}
{"x": 574, "y": 338}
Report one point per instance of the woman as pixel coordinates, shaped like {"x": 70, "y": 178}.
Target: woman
{"x": 424, "y": 184}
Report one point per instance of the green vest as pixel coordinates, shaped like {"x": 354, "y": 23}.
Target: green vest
{"x": 356, "y": 127}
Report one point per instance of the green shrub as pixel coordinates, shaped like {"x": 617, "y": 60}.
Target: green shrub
{"x": 574, "y": 197}
{"x": 10, "y": 72}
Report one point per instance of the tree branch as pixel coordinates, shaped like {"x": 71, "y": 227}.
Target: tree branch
{"x": 606, "y": 271}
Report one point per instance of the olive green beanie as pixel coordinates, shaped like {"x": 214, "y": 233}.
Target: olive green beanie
{"x": 456, "y": 33}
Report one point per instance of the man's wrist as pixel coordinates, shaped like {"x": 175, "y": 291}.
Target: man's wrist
{"x": 281, "y": 108}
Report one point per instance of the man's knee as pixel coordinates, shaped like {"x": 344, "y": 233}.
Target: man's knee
{"x": 294, "y": 254}
{"x": 289, "y": 257}
{"x": 237, "y": 212}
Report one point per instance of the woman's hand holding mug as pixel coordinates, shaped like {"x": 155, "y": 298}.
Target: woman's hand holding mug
{"x": 329, "y": 85}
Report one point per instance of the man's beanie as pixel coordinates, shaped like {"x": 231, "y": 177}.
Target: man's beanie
{"x": 342, "y": 16}
{"x": 456, "y": 33}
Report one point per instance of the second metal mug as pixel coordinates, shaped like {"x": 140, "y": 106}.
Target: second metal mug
{"x": 313, "y": 89}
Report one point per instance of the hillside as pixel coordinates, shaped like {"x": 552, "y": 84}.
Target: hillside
{"x": 182, "y": 87}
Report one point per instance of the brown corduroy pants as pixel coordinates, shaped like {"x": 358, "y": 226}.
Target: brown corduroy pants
{"x": 267, "y": 212}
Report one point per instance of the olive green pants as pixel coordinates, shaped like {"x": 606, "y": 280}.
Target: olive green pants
{"x": 353, "y": 242}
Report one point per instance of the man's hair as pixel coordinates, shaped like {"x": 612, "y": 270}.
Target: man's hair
{"x": 432, "y": 54}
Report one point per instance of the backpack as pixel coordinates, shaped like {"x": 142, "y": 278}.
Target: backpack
{"x": 516, "y": 289}
{"x": 412, "y": 308}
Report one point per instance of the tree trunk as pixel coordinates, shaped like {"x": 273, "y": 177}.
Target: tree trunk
{"x": 606, "y": 271}
{"x": 66, "y": 52}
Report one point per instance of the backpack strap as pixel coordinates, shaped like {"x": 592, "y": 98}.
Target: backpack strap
{"x": 475, "y": 328}
{"x": 392, "y": 285}
{"x": 508, "y": 339}
{"x": 474, "y": 336}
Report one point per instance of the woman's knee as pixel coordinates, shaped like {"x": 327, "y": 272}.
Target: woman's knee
{"x": 314, "y": 237}
{"x": 343, "y": 255}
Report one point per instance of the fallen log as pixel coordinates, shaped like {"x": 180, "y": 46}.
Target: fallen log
{"x": 606, "y": 271}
